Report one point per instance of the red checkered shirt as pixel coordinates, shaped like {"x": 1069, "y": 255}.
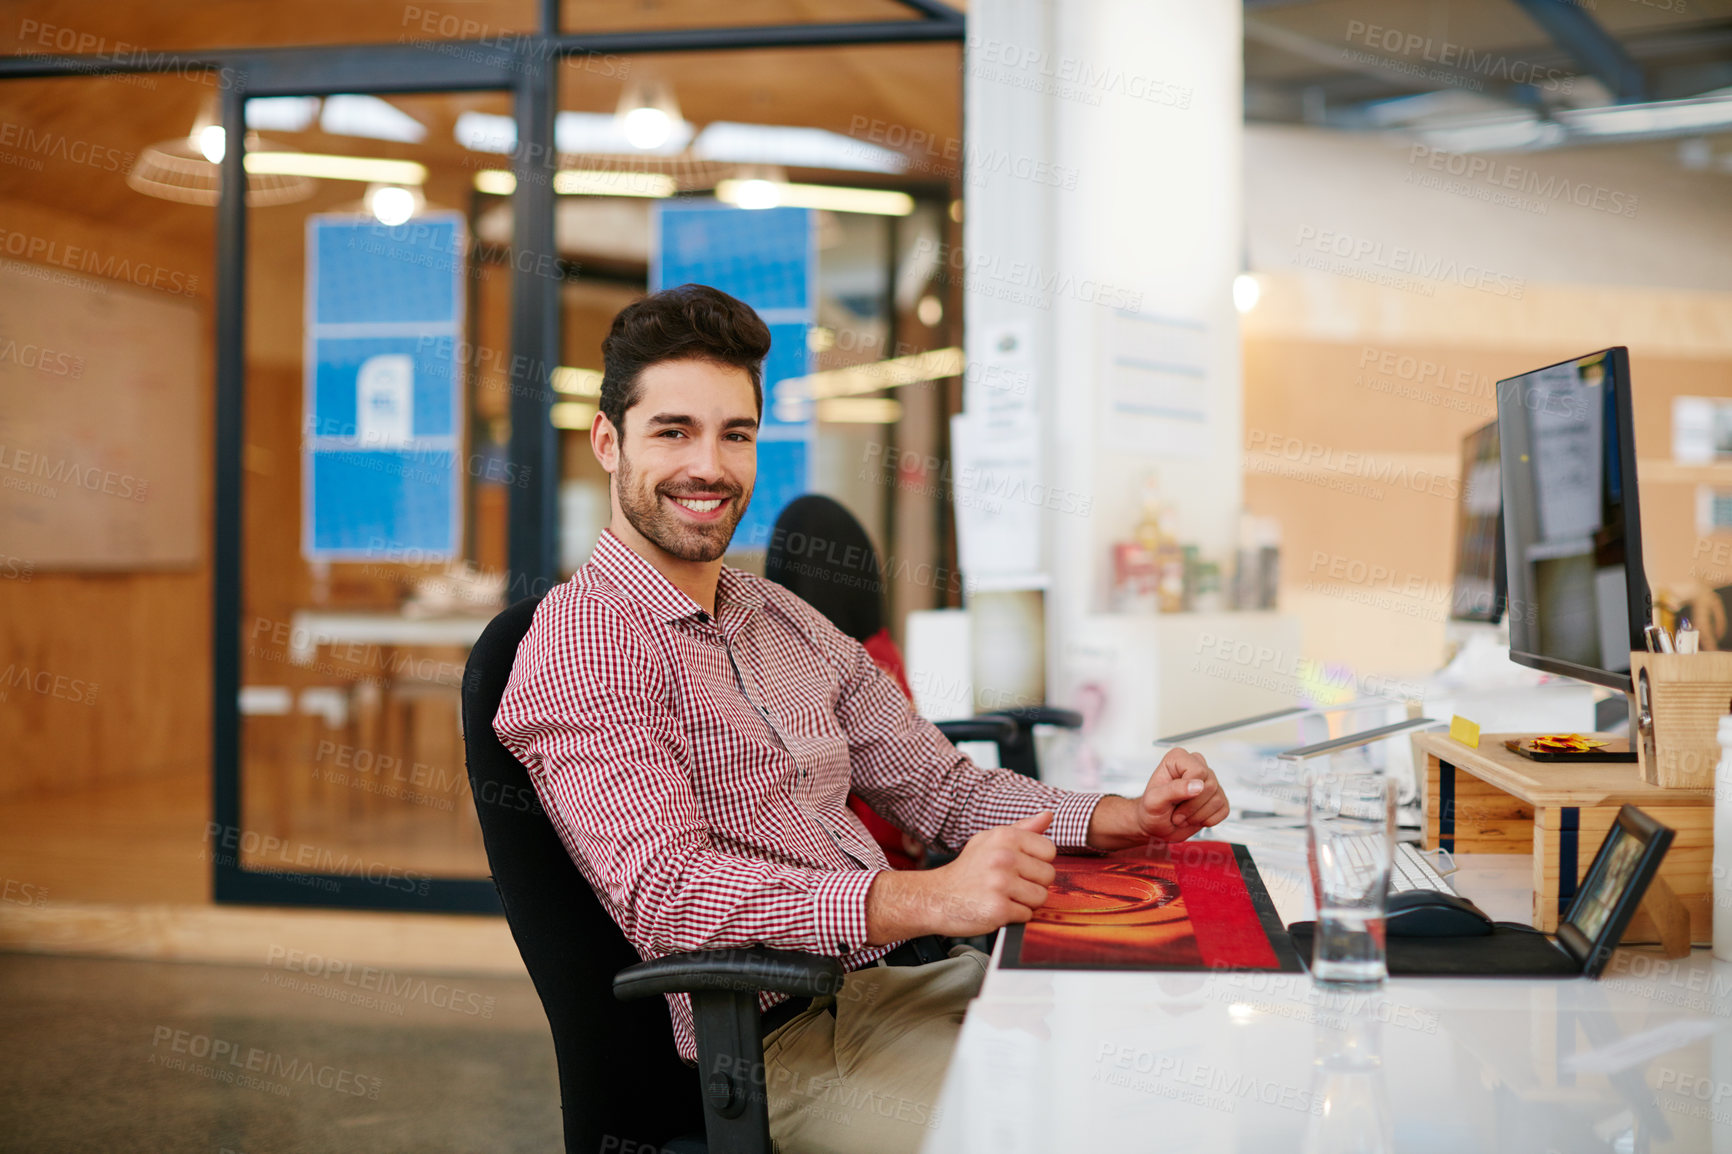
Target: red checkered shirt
{"x": 697, "y": 768}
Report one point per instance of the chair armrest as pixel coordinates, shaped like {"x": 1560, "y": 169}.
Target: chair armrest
{"x": 1043, "y": 715}
{"x": 748, "y": 969}
{"x": 990, "y": 727}
{"x": 724, "y": 986}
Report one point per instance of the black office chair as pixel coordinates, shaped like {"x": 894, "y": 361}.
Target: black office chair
{"x": 1018, "y": 752}
{"x": 620, "y": 1078}
{"x": 821, "y": 552}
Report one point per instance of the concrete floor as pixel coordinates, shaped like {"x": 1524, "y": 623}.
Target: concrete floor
{"x": 296, "y": 1054}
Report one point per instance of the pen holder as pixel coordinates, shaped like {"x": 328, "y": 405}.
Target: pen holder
{"x": 1680, "y": 699}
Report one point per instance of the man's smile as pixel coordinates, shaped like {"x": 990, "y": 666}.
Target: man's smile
{"x": 701, "y": 508}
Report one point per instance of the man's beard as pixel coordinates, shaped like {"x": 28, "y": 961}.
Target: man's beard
{"x": 663, "y": 528}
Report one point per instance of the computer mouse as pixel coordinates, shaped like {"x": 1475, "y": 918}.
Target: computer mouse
{"x": 1430, "y": 914}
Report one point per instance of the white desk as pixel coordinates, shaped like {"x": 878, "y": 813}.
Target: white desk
{"x": 1639, "y": 1061}
{"x": 309, "y": 629}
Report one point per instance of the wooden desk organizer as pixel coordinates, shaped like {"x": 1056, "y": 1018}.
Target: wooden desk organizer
{"x": 1489, "y": 800}
{"x": 1681, "y": 698}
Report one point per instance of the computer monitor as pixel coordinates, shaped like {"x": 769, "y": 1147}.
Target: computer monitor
{"x": 1578, "y": 597}
{"x": 1479, "y": 590}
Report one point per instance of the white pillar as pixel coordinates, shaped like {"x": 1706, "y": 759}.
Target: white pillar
{"x": 1103, "y": 232}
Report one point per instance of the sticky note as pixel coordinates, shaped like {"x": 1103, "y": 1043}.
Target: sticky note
{"x": 1464, "y": 731}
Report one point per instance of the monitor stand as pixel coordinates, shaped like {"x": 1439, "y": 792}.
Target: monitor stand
{"x": 1611, "y": 753}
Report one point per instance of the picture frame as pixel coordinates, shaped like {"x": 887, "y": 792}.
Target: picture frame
{"x": 1613, "y": 888}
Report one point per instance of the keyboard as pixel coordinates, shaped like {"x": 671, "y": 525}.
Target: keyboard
{"x": 1413, "y": 871}
{"x": 1410, "y": 869}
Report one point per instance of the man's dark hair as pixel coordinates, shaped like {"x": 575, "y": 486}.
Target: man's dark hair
{"x": 690, "y": 322}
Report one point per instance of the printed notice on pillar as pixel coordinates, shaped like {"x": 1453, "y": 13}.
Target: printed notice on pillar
{"x": 1157, "y": 394}
{"x": 998, "y": 388}
{"x": 996, "y": 488}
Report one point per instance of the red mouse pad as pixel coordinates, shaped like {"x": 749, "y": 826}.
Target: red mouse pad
{"x": 1189, "y": 906}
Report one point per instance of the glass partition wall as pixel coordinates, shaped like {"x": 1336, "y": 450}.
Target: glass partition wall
{"x": 417, "y": 254}
{"x": 367, "y": 488}
{"x": 378, "y": 479}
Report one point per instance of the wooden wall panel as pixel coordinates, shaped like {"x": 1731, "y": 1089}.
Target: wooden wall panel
{"x": 125, "y": 659}
{"x": 105, "y": 677}
{"x": 1354, "y": 445}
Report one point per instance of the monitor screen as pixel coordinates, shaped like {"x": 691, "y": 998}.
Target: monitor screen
{"x": 1479, "y": 577}
{"x": 1578, "y": 598}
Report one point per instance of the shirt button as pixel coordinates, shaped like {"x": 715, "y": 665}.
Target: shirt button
{"x": 841, "y": 947}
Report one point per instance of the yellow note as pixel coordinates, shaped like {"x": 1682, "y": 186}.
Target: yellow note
{"x": 1464, "y": 731}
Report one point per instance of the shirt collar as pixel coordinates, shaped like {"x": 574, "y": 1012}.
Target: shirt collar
{"x": 737, "y": 596}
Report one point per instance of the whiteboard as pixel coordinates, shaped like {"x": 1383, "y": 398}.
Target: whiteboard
{"x": 102, "y": 452}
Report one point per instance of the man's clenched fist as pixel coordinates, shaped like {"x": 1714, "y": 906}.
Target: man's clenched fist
{"x": 1181, "y": 798}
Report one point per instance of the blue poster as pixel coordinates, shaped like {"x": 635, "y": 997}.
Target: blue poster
{"x": 383, "y": 389}
{"x": 769, "y": 259}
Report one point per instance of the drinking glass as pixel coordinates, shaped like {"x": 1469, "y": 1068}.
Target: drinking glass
{"x": 1350, "y": 835}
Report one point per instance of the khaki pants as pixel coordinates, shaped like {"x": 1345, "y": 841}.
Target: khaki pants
{"x": 866, "y": 1080}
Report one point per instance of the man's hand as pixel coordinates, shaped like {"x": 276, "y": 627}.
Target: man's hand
{"x": 1000, "y": 877}
{"x": 1182, "y": 797}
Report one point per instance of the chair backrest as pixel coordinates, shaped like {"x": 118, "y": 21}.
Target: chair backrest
{"x": 619, "y": 1074}
{"x": 821, "y": 552}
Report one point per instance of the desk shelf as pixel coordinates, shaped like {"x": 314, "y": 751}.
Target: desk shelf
{"x": 1489, "y": 800}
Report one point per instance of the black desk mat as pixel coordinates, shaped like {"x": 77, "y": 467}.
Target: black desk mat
{"x": 1509, "y": 951}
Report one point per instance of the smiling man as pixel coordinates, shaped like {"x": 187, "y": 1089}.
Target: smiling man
{"x": 694, "y": 731}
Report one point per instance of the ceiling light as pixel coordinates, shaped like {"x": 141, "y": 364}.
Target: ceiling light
{"x": 597, "y": 132}
{"x": 572, "y": 415}
{"x": 1710, "y": 112}
{"x": 577, "y": 382}
{"x": 933, "y": 365}
{"x": 585, "y": 182}
{"x": 770, "y": 194}
{"x": 647, "y": 117}
{"x": 373, "y": 169}
{"x": 750, "y": 193}
{"x": 282, "y": 113}
{"x": 647, "y": 128}
{"x": 347, "y": 114}
{"x": 485, "y": 132}
{"x": 1500, "y": 135}
{"x": 211, "y": 142}
{"x": 722, "y": 141}
{"x": 392, "y": 204}
{"x": 794, "y": 147}
{"x": 860, "y": 410}
{"x": 1452, "y": 106}
{"x": 1666, "y": 117}
{"x": 1246, "y": 292}
{"x": 600, "y": 182}
{"x": 179, "y": 170}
